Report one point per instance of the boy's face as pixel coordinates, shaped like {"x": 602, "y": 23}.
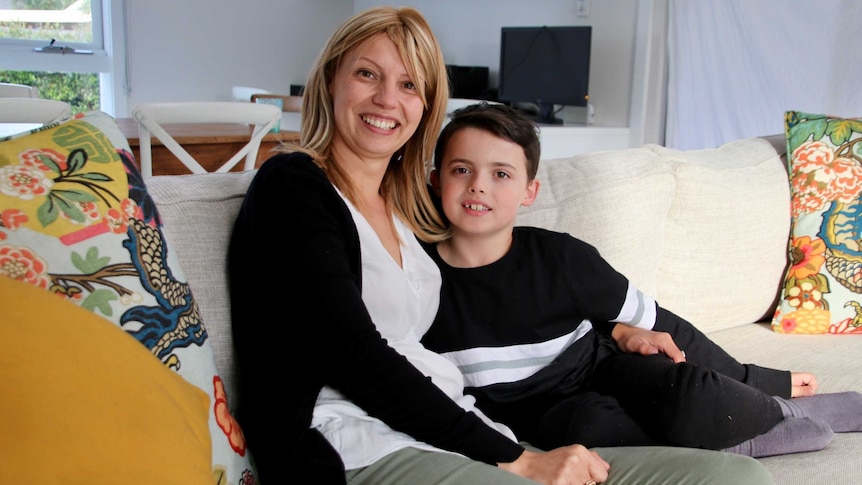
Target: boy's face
{"x": 482, "y": 183}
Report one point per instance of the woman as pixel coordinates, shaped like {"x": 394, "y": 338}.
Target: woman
{"x": 331, "y": 293}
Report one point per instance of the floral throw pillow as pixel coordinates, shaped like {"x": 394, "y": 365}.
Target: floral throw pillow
{"x": 822, "y": 290}
{"x": 76, "y": 220}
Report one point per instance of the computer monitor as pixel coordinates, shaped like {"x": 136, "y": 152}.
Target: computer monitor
{"x": 548, "y": 66}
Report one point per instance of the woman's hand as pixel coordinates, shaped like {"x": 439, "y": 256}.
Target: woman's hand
{"x": 646, "y": 342}
{"x": 567, "y": 465}
{"x": 803, "y": 384}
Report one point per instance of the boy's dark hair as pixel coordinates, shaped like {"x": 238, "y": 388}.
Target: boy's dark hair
{"x": 497, "y": 119}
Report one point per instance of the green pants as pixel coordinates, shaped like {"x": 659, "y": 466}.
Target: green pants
{"x": 653, "y": 465}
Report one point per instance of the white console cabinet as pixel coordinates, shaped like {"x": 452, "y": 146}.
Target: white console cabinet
{"x": 558, "y": 141}
{"x": 561, "y": 141}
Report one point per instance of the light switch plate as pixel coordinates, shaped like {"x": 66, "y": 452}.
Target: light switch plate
{"x": 582, "y": 8}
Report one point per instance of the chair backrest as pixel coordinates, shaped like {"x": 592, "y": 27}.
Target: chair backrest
{"x": 261, "y": 118}
{"x": 290, "y": 104}
{"x": 33, "y": 110}
{"x": 12, "y": 90}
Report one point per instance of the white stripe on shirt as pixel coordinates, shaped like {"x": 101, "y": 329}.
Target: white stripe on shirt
{"x": 483, "y": 366}
{"x": 638, "y": 310}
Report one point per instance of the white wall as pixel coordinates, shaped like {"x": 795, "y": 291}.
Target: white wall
{"x": 199, "y": 49}
{"x": 469, "y": 34}
{"x": 196, "y": 50}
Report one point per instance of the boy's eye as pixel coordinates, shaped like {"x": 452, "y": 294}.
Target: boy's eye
{"x": 502, "y": 175}
{"x": 461, "y": 170}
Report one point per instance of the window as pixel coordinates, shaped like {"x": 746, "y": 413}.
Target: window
{"x": 73, "y": 50}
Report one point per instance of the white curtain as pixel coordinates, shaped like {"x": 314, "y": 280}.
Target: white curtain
{"x": 735, "y": 66}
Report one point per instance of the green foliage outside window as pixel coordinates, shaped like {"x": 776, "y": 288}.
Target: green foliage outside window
{"x": 43, "y": 4}
{"x": 81, "y": 90}
{"x": 47, "y": 31}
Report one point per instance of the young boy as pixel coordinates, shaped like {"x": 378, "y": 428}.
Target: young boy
{"x": 561, "y": 347}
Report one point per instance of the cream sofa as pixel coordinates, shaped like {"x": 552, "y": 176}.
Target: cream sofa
{"x": 704, "y": 232}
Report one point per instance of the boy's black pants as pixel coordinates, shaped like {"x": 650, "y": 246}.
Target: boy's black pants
{"x": 711, "y": 401}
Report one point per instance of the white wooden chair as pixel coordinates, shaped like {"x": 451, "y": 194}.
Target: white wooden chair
{"x": 33, "y": 110}
{"x": 12, "y": 90}
{"x": 261, "y": 118}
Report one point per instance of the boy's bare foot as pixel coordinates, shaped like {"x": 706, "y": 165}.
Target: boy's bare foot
{"x": 803, "y": 384}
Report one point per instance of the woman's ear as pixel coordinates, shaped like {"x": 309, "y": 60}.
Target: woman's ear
{"x": 434, "y": 177}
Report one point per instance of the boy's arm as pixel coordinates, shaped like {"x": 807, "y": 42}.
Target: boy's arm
{"x": 646, "y": 342}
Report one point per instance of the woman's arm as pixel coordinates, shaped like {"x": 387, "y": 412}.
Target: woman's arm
{"x": 299, "y": 320}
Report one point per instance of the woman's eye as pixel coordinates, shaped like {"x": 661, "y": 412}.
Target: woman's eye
{"x": 365, "y": 73}
{"x": 409, "y": 85}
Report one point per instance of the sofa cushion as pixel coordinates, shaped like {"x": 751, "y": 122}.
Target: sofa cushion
{"x": 821, "y": 289}
{"x": 198, "y": 212}
{"x": 84, "y": 402}
{"x": 76, "y": 220}
{"x": 669, "y": 220}
{"x": 583, "y": 196}
{"x": 722, "y": 258}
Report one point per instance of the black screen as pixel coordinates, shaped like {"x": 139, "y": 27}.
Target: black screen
{"x": 546, "y": 66}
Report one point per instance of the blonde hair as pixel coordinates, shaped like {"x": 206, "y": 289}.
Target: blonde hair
{"x": 404, "y": 184}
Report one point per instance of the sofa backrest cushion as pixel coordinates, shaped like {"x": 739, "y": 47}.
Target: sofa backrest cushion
{"x": 703, "y": 231}
{"x": 617, "y": 201}
{"x": 198, "y": 212}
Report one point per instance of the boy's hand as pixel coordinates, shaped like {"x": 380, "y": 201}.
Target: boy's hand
{"x": 567, "y": 464}
{"x": 803, "y": 384}
{"x": 646, "y": 342}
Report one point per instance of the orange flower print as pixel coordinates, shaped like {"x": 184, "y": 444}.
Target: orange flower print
{"x": 131, "y": 209}
{"x": 788, "y": 325}
{"x": 813, "y": 153}
{"x": 844, "y": 326}
{"x": 118, "y": 219}
{"x": 806, "y": 201}
{"x": 845, "y": 180}
{"x": 24, "y": 182}
{"x": 819, "y": 178}
{"x": 225, "y": 420}
{"x": 805, "y": 295}
{"x": 40, "y": 158}
{"x": 806, "y": 256}
{"x": 21, "y": 264}
{"x": 11, "y": 219}
{"x": 115, "y": 220}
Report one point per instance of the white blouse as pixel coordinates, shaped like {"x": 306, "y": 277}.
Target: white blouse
{"x": 402, "y": 303}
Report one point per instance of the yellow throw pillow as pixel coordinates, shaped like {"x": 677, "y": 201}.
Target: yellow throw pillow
{"x": 84, "y": 402}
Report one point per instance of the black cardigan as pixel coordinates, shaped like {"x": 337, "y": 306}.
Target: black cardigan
{"x": 299, "y": 323}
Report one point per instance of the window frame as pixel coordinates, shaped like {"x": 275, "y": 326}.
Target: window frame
{"x": 108, "y": 58}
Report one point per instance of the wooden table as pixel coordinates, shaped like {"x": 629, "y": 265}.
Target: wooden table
{"x": 211, "y": 144}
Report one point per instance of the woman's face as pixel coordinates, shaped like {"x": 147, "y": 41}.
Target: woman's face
{"x": 376, "y": 105}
